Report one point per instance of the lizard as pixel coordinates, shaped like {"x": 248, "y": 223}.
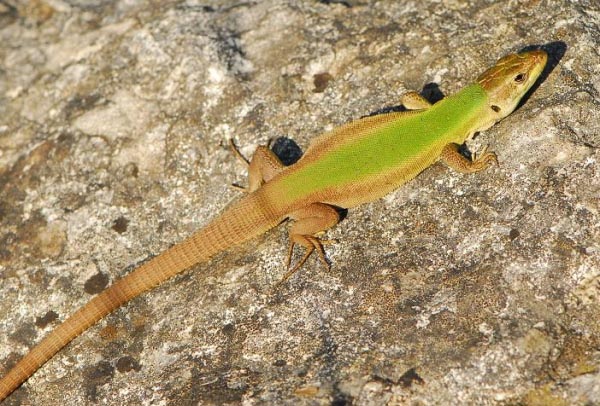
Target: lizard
{"x": 353, "y": 164}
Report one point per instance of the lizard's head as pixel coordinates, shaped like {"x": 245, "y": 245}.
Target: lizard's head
{"x": 507, "y": 82}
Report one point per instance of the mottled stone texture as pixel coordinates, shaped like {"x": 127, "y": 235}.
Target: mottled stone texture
{"x": 472, "y": 290}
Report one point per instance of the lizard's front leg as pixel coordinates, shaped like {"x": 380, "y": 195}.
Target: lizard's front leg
{"x": 455, "y": 160}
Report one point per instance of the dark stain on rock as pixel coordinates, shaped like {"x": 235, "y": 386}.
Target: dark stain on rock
{"x": 120, "y": 225}
{"x": 10, "y": 362}
{"x": 62, "y": 147}
{"x": 95, "y": 376}
{"x": 231, "y": 52}
{"x": 80, "y": 103}
{"x": 30, "y": 168}
{"x": 96, "y": 283}
{"x": 321, "y": 80}
{"x": 131, "y": 170}
{"x": 341, "y": 401}
{"x": 409, "y": 378}
{"x": 18, "y": 237}
{"x": 46, "y": 319}
{"x": 344, "y": 3}
{"x": 127, "y": 364}
{"x": 8, "y": 14}
{"x": 27, "y": 234}
{"x": 228, "y": 329}
{"x": 514, "y": 234}
{"x": 25, "y": 335}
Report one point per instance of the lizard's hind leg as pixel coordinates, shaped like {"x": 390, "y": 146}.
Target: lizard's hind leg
{"x": 310, "y": 221}
{"x": 262, "y": 167}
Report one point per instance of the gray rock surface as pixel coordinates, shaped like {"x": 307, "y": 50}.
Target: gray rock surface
{"x": 456, "y": 289}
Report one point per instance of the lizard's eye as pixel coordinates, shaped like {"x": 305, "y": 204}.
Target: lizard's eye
{"x": 520, "y": 78}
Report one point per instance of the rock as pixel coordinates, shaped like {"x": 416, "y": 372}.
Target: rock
{"x": 456, "y": 289}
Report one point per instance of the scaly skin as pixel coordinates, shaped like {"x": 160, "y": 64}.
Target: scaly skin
{"x": 354, "y": 164}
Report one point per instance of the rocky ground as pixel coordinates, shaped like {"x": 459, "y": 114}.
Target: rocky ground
{"x": 457, "y": 289}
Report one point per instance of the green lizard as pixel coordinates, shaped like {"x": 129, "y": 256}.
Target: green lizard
{"x": 356, "y": 163}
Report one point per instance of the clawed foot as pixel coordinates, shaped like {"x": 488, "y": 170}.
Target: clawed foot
{"x": 311, "y": 244}
{"x": 485, "y": 159}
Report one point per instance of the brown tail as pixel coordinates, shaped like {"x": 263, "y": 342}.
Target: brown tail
{"x": 243, "y": 221}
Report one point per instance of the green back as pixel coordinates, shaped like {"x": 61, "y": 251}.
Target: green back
{"x": 385, "y": 147}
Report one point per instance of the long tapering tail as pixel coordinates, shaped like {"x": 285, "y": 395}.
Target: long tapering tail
{"x": 243, "y": 221}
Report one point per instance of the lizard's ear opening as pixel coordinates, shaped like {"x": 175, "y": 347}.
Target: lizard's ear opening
{"x": 496, "y": 108}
